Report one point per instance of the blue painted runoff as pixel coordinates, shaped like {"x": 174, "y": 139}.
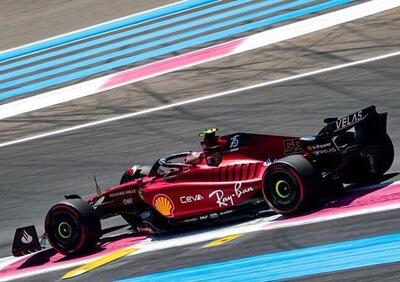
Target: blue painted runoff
{"x": 177, "y": 7}
{"x": 172, "y": 48}
{"x": 136, "y": 40}
{"x": 111, "y": 37}
{"x": 290, "y": 264}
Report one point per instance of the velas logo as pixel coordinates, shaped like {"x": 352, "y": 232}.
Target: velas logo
{"x": 163, "y": 204}
{"x": 349, "y": 120}
{"x": 26, "y": 238}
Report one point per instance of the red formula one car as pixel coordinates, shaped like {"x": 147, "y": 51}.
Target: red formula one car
{"x": 232, "y": 174}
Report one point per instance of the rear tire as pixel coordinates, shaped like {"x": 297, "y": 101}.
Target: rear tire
{"x": 384, "y": 157}
{"x": 291, "y": 185}
{"x": 332, "y": 187}
{"x": 370, "y": 167}
{"x": 72, "y": 227}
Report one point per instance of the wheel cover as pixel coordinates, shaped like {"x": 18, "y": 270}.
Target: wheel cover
{"x": 283, "y": 190}
{"x": 65, "y": 229}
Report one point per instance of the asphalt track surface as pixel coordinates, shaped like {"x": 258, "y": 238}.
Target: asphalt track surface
{"x": 168, "y": 133}
{"x": 38, "y": 173}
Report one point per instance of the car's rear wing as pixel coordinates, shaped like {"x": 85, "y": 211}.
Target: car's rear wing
{"x": 376, "y": 123}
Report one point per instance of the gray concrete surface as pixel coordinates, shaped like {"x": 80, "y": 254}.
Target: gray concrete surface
{"x": 26, "y": 21}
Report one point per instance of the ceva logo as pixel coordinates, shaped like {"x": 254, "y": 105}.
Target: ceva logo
{"x": 191, "y": 199}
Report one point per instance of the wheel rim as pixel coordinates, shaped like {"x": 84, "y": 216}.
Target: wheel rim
{"x": 65, "y": 229}
{"x": 283, "y": 190}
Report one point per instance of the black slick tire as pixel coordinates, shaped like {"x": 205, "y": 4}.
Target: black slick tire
{"x": 72, "y": 227}
{"x": 291, "y": 185}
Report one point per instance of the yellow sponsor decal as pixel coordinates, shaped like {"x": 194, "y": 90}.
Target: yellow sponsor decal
{"x": 164, "y": 205}
{"x": 222, "y": 240}
{"x": 100, "y": 262}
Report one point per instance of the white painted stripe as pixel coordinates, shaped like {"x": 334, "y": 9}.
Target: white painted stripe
{"x": 45, "y": 270}
{"x": 335, "y": 216}
{"x": 252, "y": 42}
{"x": 315, "y": 24}
{"x": 199, "y": 99}
{"x": 60, "y": 266}
{"x": 259, "y": 226}
{"x": 90, "y": 27}
{"x": 51, "y": 98}
{"x": 268, "y": 223}
{"x": 7, "y": 261}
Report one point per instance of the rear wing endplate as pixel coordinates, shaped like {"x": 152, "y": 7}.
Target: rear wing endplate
{"x": 343, "y": 124}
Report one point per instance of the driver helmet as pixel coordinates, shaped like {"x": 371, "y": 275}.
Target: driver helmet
{"x": 210, "y": 140}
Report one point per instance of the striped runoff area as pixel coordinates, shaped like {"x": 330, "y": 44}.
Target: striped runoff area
{"x": 290, "y": 264}
{"x": 143, "y": 38}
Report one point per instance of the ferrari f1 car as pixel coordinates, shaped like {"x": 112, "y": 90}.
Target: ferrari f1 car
{"x": 230, "y": 174}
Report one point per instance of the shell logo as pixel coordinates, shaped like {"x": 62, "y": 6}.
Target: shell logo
{"x": 164, "y": 205}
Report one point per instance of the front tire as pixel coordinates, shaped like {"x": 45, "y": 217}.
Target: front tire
{"x": 72, "y": 227}
{"x": 291, "y": 185}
